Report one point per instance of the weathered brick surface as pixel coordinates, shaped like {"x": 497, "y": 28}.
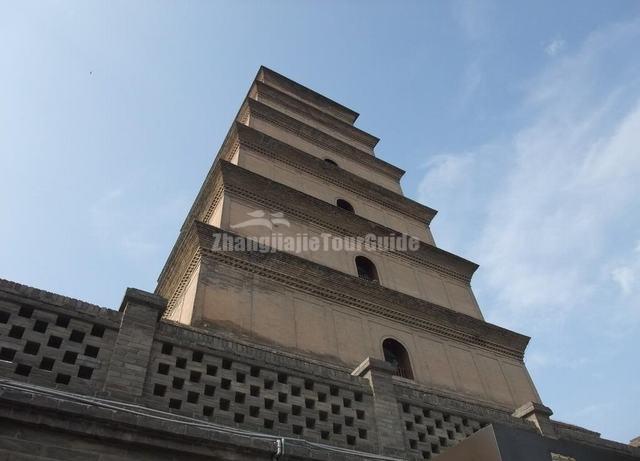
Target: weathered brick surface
{"x": 79, "y": 382}
{"x": 132, "y": 351}
{"x": 380, "y": 377}
{"x": 254, "y": 392}
{"x": 42, "y": 342}
{"x": 186, "y": 382}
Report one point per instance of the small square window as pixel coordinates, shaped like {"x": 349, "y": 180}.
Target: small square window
{"x": 22, "y": 370}
{"x": 46, "y": 364}
{"x": 31, "y": 348}
{"x": 159, "y": 390}
{"x": 63, "y": 321}
{"x": 76, "y": 336}
{"x": 85, "y": 372}
{"x": 26, "y": 312}
{"x": 97, "y": 330}
{"x": 91, "y": 351}
{"x": 55, "y": 342}
{"x": 7, "y": 354}
{"x": 16, "y": 332}
{"x": 40, "y": 326}
{"x": 63, "y": 378}
{"x": 70, "y": 357}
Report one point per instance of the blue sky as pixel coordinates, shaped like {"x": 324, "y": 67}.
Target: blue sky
{"x": 519, "y": 121}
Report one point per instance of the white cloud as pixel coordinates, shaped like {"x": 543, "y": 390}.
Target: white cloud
{"x": 445, "y": 171}
{"x": 552, "y": 193}
{"x": 550, "y": 212}
{"x": 627, "y": 275}
{"x": 554, "y": 47}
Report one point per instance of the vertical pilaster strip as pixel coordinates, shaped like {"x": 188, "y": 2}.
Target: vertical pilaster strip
{"x": 141, "y": 312}
{"x": 388, "y": 423}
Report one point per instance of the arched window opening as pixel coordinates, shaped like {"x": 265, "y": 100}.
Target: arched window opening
{"x": 366, "y": 269}
{"x": 330, "y": 162}
{"x": 344, "y": 205}
{"x": 397, "y": 356}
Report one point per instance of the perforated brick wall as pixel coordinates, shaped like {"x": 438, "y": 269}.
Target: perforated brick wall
{"x": 232, "y": 392}
{"x": 429, "y": 432}
{"x": 54, "y": 349}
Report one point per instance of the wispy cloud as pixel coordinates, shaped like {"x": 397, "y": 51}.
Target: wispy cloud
{"x": 554, "y": 47}
{"x": 551, "y": 211}
{"x": 627, "y": 274}
{"x": 553, "y": 192}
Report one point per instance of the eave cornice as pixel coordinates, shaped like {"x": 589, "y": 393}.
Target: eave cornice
{"x": 263, "y": 90}
{"x": 301, "y": 274}
{"x": 253, "y": 108}
{"x": 264, "y": 144}
{"x": 270, "y": 194}
{"x": 323, "y": 103}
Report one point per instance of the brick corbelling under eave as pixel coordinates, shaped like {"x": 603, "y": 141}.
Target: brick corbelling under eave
{"x": 319, "y": 138}
{"x": 307, "y": 95}
{"x": 303, "y": 275}
{"x": 270, "y": 194}
{"x": 264, "y": 90}
{"x": 264, "y": 144}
